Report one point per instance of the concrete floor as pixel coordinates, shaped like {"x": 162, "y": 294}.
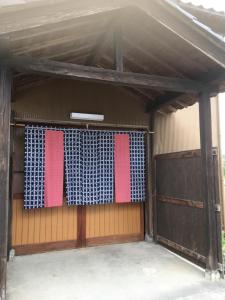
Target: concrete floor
{"x": 137, "y": 271}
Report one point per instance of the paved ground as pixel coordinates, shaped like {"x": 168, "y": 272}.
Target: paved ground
{"x": 137, "y": 271}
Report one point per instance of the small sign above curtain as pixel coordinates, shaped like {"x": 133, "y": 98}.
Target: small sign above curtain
{"x": 89, "y": 165}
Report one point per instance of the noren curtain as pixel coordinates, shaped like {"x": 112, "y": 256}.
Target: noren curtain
{"x": 89, "y": 165}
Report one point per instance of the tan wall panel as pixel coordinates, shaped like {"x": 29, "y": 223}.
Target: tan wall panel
{"x": 113, "y": 219}
{"x": 179, "y": 131}
{"x": 55, "y": 100}
{"x": 42, "y": 225}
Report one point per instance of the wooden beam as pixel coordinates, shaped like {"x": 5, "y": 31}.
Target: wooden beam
{"x": 72, "y": 71}
{"x": 207, "y": 180}
{"x": 5, "y": 112}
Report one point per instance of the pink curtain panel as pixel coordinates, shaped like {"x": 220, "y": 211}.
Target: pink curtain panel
{"x": 54, "y": 168}
{"x": 122, "y": 168}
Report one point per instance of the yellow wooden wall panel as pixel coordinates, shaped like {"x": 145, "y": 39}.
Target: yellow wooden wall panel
{"x": 42, "y": 225}
{"x": 60, "y": 224}
{"x": 113, "y": 219}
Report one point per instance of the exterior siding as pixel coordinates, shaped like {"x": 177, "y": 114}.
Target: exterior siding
{"x": 179, "y": 131}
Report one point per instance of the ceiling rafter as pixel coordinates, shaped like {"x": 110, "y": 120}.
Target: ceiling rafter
{"x": 164, "y": 41}
{"x": 55, "y": 45}
{"x": 159, "y": 61}
{"x": 100, "y": 45}
{"x": 30, "y": 46}
{"x": 56, "y": 29}
{"x": 187, "y": 28}
{"x": 52, "y": 13}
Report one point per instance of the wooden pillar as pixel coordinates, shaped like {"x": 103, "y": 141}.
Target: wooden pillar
{"x": 149, "y": 213}
{"x": 207, "y": 181}
{"x": 5, "y": 112}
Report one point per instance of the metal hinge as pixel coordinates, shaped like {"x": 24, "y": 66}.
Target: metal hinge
{"x": 220, "y": 267}
{"x": 214, "y": 152}
{"x": 217, "y": 207}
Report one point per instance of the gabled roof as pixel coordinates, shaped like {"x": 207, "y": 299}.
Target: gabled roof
{"x": 158, "y": 37}
{"x": 209, "y": 16}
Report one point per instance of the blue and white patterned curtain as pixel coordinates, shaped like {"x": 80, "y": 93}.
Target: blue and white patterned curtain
{"x": 89, "y": 166}
{"x": 137, "y": 164}
{"x": 73, "y": 166}
{"x": 34, "y": 167}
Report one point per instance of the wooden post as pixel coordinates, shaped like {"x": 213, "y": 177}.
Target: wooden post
{"x": 150, "y": 179}
{"x": 5, "y": 112}
{"x": 207, "y": 182}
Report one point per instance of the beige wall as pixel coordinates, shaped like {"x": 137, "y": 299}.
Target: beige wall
{"x": 179, "y": 131}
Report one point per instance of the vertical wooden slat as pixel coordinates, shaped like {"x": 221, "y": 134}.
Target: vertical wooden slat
{"x": 65, "y": 223}
{"x": 25, "y": 222}
{"x": 59, "y": 224}
{"x": 81, "y": 226}
{"x": 107, "y": 215}
{"x": 19, "y": 221}
{"x": 96, "y": 208}
{"x": 5, "y": 114}
{"x": 13, "y": 222}
{"x": 101, "y": 221}
{"x": 75, "y": 222}
{"x": 142, "y": 219}
{"x": 37, "y": 220}
{"x": 125, "y": 218}
{"x": 129, "y": 218}
{"x": 31, "y": 227}
{"x": 111, "y": 220}
{"x": 48, "y": 225}
{"x": 116, "y": 216}
{"x": 42, "y": 226}
{"x": 54, "y": 223}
